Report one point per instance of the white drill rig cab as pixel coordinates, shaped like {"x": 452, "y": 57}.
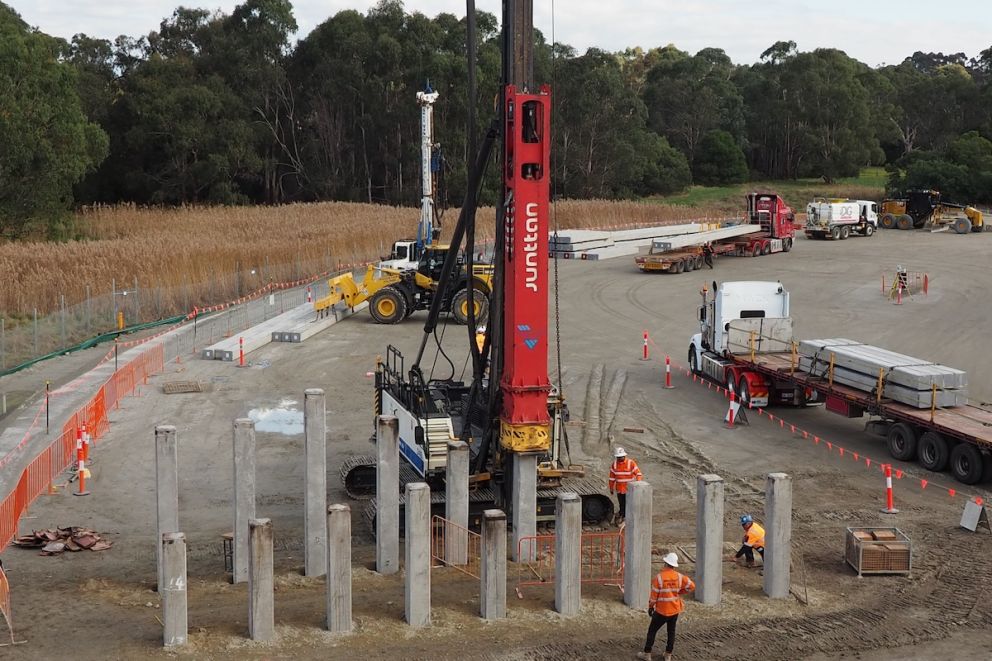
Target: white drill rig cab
{"x": 739, "y": 318}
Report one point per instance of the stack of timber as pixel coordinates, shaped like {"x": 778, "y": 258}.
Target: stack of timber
{"x": 600, "y": 244}
{"x": 905, "y": 379}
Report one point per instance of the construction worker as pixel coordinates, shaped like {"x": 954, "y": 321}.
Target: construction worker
{"x": 480, "y": 337}
{"x": 665, "y": 604}
{"x": 708, "y": 254}
{"x": 623, "y": 471}
{"x": 754, "y": 540}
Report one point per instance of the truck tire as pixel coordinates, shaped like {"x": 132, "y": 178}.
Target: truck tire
{"x": 962, "y": 225}
{"x": 835, "y": 233}
{"x": 904, "y": 222}
{"x": 693, "y": 365}
{"x": 459, "y": 306}
{"x": 933, "y": 451}
{"x": 901, "y": 441}
{"x": 754, "y": 250}
{"x": 676, "y": 266}
{"x": 743, "y": 392}
{"x": 787, "y": 244}
{"x": 869, "y": 229}
{"x": 887, "y": 221}
{"x": 699, "y": 262}
{"x": 388, "y": 306}
{"x": 766, "y": 248}
{"x": 967, "y": 463}
{"x": 690, "y": 264}
{"x": 845, "y": 232}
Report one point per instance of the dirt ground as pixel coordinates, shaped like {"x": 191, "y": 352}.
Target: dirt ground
{"x": 102, "y": 605}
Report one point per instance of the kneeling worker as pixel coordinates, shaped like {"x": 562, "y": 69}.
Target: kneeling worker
{"x": 754, "y": 540}
{"x": 665, "y": 604}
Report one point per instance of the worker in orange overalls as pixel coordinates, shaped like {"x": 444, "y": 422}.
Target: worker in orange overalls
{"x": 754, "y": 540}
{"x": 623, "y": 471}
{"x": 665, "y": 604}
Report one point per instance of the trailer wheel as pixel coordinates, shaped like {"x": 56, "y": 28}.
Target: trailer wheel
{"x": 676, "y": 266}
{"x": 388, "y": 306}
{"x": 754, "y": 251}
{"x": 933, "y": 451}
{"x": 787, "y": 244}
{"x": 888, "y": 221}
{"x": 690, "y": 264}
{"x": 902, "y": 442}
{"x": 766, "y": 248}
{"x": 869, "y": 229}
{"x": 845, "y": 232}
{"x": 743, "y": 392}
{"x": 904, "y": 222}
{"x": 730, "y": 383}
{"x": 699, "y": 262}
{"x": 967, "y": 463}
{"x": 835, "y": 233}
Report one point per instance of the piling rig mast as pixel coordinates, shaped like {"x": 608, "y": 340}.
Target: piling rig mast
{"x": 510, "y": 405}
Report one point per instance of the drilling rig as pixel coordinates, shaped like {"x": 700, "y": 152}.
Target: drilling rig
{"x": 509, "y": 408}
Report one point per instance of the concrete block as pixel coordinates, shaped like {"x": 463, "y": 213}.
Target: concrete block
{"x": 417, "y": 569}
{"x": 637, "y": 546}
{"x": 709, "y": 539}
{"x": 778, "y": 535}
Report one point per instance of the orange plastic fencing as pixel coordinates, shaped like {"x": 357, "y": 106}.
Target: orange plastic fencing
{"x": 5, "y": 604}
{"x": 40, "y": 474}
{"x": 601, "y": 559}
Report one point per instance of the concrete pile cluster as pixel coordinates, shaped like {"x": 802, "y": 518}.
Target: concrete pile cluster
{"x": 600, "y": 244}
{"x": 328, "y": 537}
{"x": 906, "y": 379}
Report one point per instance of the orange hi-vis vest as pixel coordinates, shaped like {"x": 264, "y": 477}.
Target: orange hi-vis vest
{"x": 623, "y": 472}
{"x": 666, "y": 590}
{"x": 755, "y": 536}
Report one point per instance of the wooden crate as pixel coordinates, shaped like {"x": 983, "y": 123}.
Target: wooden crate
{"x": 878, "y": 551}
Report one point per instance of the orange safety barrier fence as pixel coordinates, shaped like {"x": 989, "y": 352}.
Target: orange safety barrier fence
{"x": 601, "y": 559}
{"x": 455, "y": 546}
{"x": 39, "y": 475}
{"x": 5, "y": 604}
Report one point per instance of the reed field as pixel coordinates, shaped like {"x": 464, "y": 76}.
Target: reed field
{"x": 207, "y": 255}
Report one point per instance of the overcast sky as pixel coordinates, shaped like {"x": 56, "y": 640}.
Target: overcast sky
{"x": 873, "y": 31}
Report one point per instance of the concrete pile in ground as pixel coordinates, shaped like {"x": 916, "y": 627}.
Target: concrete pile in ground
{"x": 906, "y": 379}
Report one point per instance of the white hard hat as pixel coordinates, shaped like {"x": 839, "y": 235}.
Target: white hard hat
{"x": 671, "y": 560}
{"x": 481, "y": 329}
{"x": 619, "y": 452}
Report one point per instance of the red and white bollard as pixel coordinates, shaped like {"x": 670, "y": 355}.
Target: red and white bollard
{"x": 309, "y": 295}
{"x": 889, "y": 504}
{"x": 644, "y": 355}
{"x": 731, "y": 411}
{"x": 81, "y": 472}
{"x": 241, "y": 352}
{"x": 668, "y": 372}
{"x": 86, "y": 443}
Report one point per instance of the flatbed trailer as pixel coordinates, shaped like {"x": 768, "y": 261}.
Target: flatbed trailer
{"x": 764, "y": 370}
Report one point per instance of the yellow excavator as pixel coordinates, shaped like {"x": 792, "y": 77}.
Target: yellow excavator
{"x": 394, "y": 294}
{"x": 924, "y": 209}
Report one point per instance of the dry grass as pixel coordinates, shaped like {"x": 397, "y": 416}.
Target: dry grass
{"x": 193, "y": 253}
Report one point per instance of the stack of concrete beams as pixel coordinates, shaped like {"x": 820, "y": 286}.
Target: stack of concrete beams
{"x": 599, "y": 244}
{"x": 906, "y": 379}
{"x": 303, "y": 329}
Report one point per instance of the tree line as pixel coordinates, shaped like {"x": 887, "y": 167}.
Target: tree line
{"x": 215, "y": 108}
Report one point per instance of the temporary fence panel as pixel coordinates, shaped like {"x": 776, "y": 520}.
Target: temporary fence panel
{"x": 601, "y": 560}
{"x": 446, "y": 536}
{"x": 5, "y": 604}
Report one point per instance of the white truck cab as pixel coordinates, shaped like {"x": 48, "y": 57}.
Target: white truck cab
{"x": 837, "y": 219}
